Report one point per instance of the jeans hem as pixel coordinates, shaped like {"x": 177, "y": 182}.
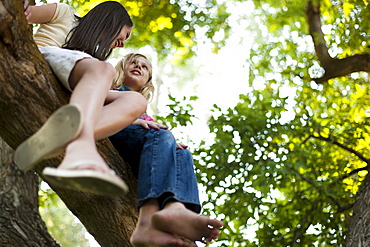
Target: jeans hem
{"x": 191, "y": 204}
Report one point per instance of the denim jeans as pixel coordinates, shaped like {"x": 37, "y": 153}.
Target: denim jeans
{"x": 163, "y": 171}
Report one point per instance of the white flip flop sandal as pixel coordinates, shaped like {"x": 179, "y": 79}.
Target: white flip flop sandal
{"x": 86, "y": 180}
{"x": 62, "y": 127}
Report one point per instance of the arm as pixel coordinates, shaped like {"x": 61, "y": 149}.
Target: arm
{"x": 151, "y": 124}
{"x": 39, "y": 14}
{"x": 180, "y": 145}
{"x": 147, "y": 124}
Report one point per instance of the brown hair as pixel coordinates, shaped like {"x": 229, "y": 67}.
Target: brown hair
{"x": 98, "y": 29}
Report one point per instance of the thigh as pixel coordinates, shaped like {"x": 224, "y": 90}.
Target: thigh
{"x": 92, "y": 70}
{"x": 62, "y": 61}
{"x": 129, "y": 142}
{"x": 114, "y": 95}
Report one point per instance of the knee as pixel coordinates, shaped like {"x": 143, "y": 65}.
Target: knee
{"x": 94, "y": 71}
{"x": 185, "y": 155}
{"x": 105, "y": 69}
{"x": 104, "y": 73}
{"x": 139, "y": 102}
{"x": 100, "y": 71}
{"x": 165, "y": 136}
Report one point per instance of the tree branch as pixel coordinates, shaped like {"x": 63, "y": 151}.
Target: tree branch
{"x": 352, "y": 173}
{"x": 316, "y": 186}
{"x": 335, "y": 142}
{"x": 318, "y": 37}
{"x": 300, "y": 230}
{"x": 333, "y": 67}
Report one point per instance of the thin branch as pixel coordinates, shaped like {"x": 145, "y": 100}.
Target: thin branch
{"x": 300, "y": 230}
{"x": 305, "y": 140}
{"x": 346, "y": 207}
{"x": 352, "y": 173}
{"x": 316, "y": 186}
{"x": 360, "y": 156}
{"x": 335, "y": 142}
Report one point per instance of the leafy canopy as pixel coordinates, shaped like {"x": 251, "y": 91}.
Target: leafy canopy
{"x": 289, "y": 158}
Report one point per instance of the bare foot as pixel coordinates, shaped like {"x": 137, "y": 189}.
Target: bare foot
{"x": 146, "y": 235}
{"x": 175, "y": 218}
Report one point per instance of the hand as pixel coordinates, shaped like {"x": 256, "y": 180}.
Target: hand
{"x": 179, "y": 145}
{"x": 149, "y": 124}
{"x": 27, "y": 9}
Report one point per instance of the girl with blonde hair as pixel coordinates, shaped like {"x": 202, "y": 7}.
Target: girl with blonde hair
{"x": 146, "y": 90}
{"x": 168, "y": 197}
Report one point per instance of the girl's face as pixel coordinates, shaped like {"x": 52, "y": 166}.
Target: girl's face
{"x": 136, "y": 73}
{"x": 122, "y": 37}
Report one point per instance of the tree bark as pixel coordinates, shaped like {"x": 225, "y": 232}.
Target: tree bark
{"x": 20, "y": 221}
{"x": 29, "y": 95}
{"x": 358, "y": 230}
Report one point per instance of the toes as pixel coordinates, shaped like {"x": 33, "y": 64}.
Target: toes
{"x": 215, "y": 223}
{"x": 212, "y": 235}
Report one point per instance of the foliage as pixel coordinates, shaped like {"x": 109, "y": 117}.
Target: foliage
{"x": 61, "y": 224}
{"x": 289, "y": 158}
{"x": 289, "y": 50}
{"x": 290, "y": 176}
{"x": 179, "y": 112}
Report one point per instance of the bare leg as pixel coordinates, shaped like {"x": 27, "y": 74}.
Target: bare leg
{"x": 119, "y": 111}
{"x": 146, "y": 234}
{"x": 83, "y": 168}
{"x": 90, "y": 79}
{"x": 177, "y": 219}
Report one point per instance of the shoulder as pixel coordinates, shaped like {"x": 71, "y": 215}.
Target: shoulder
{"x": 63, "y": 11}
{"x": 64, "y": 7}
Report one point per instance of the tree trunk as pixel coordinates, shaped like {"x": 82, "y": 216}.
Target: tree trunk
{"x": 20, "y": 221}
{"x": 358, "y": 230}
{"x": 29, "y": 95}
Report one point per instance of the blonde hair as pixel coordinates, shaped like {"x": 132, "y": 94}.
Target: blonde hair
{"x": 148, "y": 89}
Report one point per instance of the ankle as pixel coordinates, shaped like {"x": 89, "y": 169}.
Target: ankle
{"x": 173, "y": 204}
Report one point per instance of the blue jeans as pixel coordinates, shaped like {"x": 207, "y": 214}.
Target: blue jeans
{"x": 163, "y": 171}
